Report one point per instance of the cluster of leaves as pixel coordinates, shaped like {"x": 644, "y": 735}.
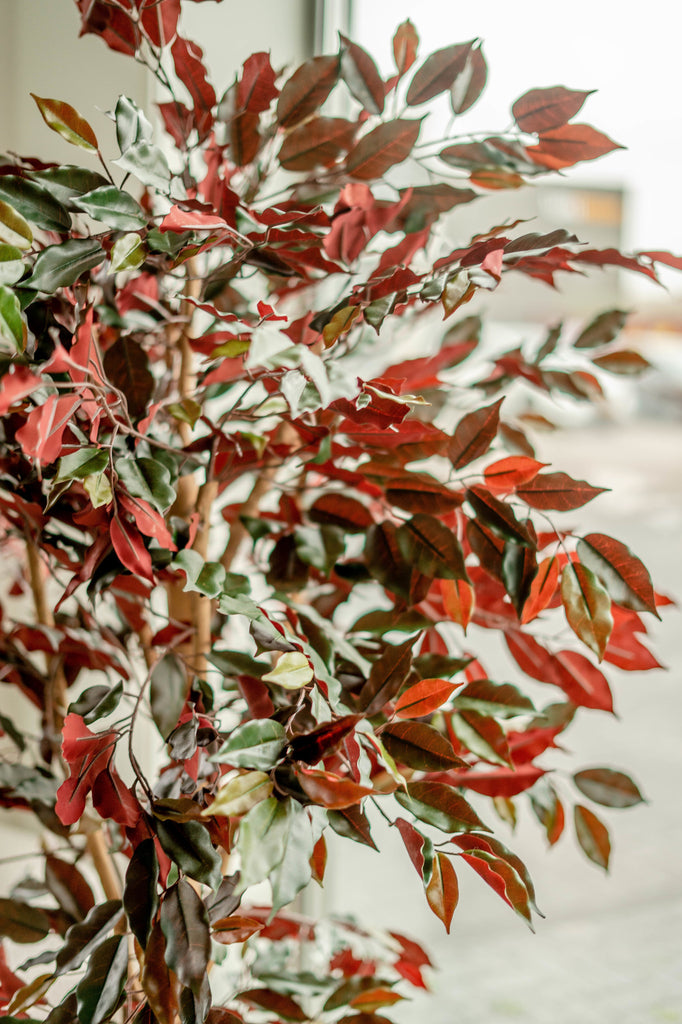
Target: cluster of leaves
{"x": 200, "y": 376}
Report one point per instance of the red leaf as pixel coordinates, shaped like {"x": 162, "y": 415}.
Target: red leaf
{"x": 503, "y": 476}
{"x": 178, "y": 121}
{"x": 388, "y": 674}
{"x": 442, "y": 891}
{"x": 470, "y": 82}
{"x": 312, "y": 746}
{"x": 360, "y": 74}
{"x": 187, "y": 57}
{"x": 557, "y": 491}
{"x": 149, "y": 522}
{"x": 256, "y": 88}
{"x": 244, "y": 138}
{"x": 42, "y": 434}
{"x": 87, "y": 755}
{"x": 414, "y": 843}
{"x": 438, "y": 72}
{"x": 542, "y": 589}
{"x": 542, "y": 110}
{"x": 386, "y": 145}
{"x": 317, "y": 143}
{"x": 504, "y": 782}
{"x": 17, "y": 384}
{"x": 592, "y": 835}
{"x": 458, "y": 600}
{"x": 159, "y": 21}
{"x": 423, "y": 698}
{"x": 569, "y": 144}
{"x": 405, "y": 43}
{"x": 625, "y": 576}
{"x": 474, "y": 435}
{"x": 130, "y": 548}
{"x": 113, "y": 800}
{"x": 306, "y": 90}
{"x": 329, "y": 790}
{"x": 581, "y": 681}
{"x": 318, "y": 860}
{"x": 623, "y": 648}
{"x": 179, "y": 220}
{"x": 500, "y": 876}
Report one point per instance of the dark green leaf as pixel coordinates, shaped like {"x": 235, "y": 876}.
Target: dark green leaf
{"x": 140, "y": 895}
{"x": 34, "y": 203}
{"x": 113, "y": 207}
{"x": 59, "y": 266}
{"x": 97, "y": 702}
{"x": 429, "y": 545}
{"x": 497, "y": 515}
{"x": 21, "y": 922}
{"x": 68, "y": 181}
{"x": 258, "y": 744}
{"x": 501, "y": 699}
{"x": 83, "y": 937}
{"x": 168, "y": 692}
{"x": 146, "y": 478}
{"x": 388, "y": 674}
{"x": 100, "y": 989}
{"x": 185, "y": 926}
{"x": 82, "y": 463}
{"x": 441, "y": 806}
{"x": 11, "y": 323}
{"x": 420, "y": 746}
{"x": 189, "y": 845}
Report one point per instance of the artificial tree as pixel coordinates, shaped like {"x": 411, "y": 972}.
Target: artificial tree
{"x": 256, "y": 524}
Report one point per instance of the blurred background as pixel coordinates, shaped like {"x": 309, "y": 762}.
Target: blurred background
{"x": 610, "y": 949}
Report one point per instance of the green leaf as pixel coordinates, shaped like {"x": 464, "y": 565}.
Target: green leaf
{"x": 483, "y": 736}
{"x": 11, "y": 264}
{"x": 131, "y": 124}
{"x": 262, "y": 840}
{"x": 82, "y": 938}
{"x": 148, "y": 479}
{"x": 82, "y": 463}
{"x": 113, "y": 207}
{"x": 29, "y": 995}
{"x": 184, "y": 923}
{"x": 441, "y": 806}
{"x": 608, "y": 787}
{"x": 68, "y": 181}
{"x": 98, "y": 487}
{"x": 97, "y": 702}
{"x": 34, "y": 203}
{"x": 148, "y": 163}
{"x": 8, "y": 727}
{"x": 588, "y": 606}
{"x": 14, "y": 230}
{"x": 59, "y": 266}
{"x": 420, "y": 746}
{"x": 501, "y": 699}
{"x": 128, "y": 253}
{"x": 207, "y": 578}
{"x": 292, "y": 671}
{"x": 21, "y": 922}
{"x": 293, "y": 871}
{"x": 11, "y": 323}
{"x": 258, "y": 744}
{"x": 100, "y": 989}
{"x": 140, "y": 895}
{"x": 240, "y": 795}
{"x": 429, "y": 545}
{"x": 168, "y": 692}
{"x": 189, "y": 845}
{"x": 66, "y": 121}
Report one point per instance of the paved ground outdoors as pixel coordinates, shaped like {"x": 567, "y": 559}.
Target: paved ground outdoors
{"x": 610, "y": 948}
